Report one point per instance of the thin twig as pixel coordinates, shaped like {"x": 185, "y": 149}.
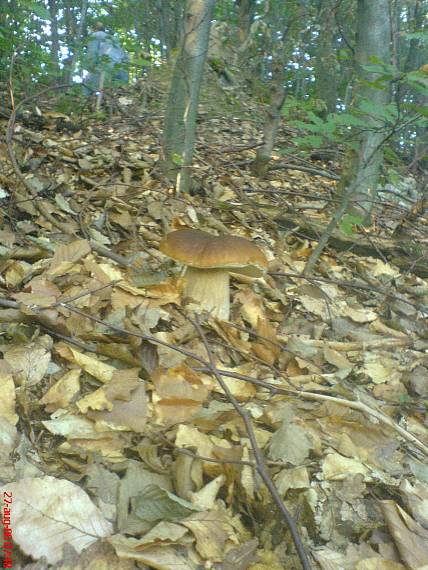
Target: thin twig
{"x": 355, "y": 405}
{"x": 260, "y": 464}
{"x": 272, "y": 388}
{"x": 85, "y": 293}
{"x": 351, "y": 285}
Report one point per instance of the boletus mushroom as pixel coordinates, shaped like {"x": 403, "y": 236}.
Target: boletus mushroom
{"x": 209, "y": 260}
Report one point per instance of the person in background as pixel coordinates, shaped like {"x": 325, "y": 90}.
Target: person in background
{"x": 107, "y": 61}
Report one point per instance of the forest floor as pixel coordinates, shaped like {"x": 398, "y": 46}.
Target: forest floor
{"x": 114, "y": 424}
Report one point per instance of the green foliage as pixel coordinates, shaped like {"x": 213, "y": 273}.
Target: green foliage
{"x": 348, "y": 223}
{"x": 391, "y": 156}
{"x": 71, "y": 102}
{"x": 39, "y": 10}
{"x": 343, "y": 128}
{"x": 141, "y": 61}
{"x": 149, "y": 31}
{"x": 393, "y": 176}
{"x": 177, "y": 159}
{"x": 421, "y": 36}
{"x": 295, "y": 108}
{"x": 317, "y": 132}
{"x": 385, "y": 114}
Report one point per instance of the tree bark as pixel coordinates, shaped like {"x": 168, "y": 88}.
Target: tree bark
{"x": 260, "y": 166}
{"x": 416, "y": 59}
{"x": 362, "y": 167}
{"x": 246, "y": 9}
{"x": 182, "y": 107}
{"x": 326, "y": 58}
{"x": 287, "y": 23}
{"x": 77, "y": 40}
{"x": 53, "y": 11}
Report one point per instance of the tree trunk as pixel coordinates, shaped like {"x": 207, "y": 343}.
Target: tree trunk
{"x": 170, "y": 15}
{"x": 77, "y": 40}
{"x": 163, "y": 8}
{"x": 182, "y": 107}
{"x": 362, "y": 167}
{"x": 178, "y": 17}
{"x": 326, "y": 58}
{"x": 53, "y": 11}
{"x": 280, "y": 47}
{"x": 260, "y": 166}
{"x": 416, "y": 58}
{"x": 245, "y": 18}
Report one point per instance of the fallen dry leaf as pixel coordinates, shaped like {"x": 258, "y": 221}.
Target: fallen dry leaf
{"x": 48, "y": 513}
{"x": 410, "y": 537}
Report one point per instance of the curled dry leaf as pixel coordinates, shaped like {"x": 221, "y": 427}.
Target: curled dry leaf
{"x": 180, "y": 393}
{"x": 410, "y": 537}
{"x": 66, "y": 256}
{"x": 61, "y": 393}
{"x": 98, "y": 369}
{"x": 162, "y": 557}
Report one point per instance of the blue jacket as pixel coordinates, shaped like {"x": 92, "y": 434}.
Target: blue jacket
{"x": 101, "y": 45}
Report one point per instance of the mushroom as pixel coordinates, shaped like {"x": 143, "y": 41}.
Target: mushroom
{"x": 209, "y": 260}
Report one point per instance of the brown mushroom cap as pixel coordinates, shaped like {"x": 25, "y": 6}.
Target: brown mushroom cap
{"x": 205, "y": 251}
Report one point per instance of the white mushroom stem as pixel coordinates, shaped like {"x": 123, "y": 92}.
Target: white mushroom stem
{"x": 210, "y": 288}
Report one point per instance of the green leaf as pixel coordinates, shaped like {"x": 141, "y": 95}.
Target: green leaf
{"x": 391, "y": 156}
{"x": 378, "y": 111}
{"x": 177, "y": 159}
{"x": 421, "y": 36}
{"x": 375, "y": 59}
{"x": 349, "y": 221}
{"x": 373, "y": 68}
{"x": 309, "y": 141}
{"x": 299, "y": 125}
{"x": 142, "y": 61}
{"x": 348, "y": 120}
{"x": 419, "y": 109}
{"x": 316, "y": 120}
{"x": 40, "y": 10}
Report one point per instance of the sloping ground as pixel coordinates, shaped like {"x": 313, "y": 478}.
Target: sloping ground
{"x": 114, "y": 423}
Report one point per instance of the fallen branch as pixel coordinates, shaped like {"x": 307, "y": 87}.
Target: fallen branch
{"x": 311, "y": 170}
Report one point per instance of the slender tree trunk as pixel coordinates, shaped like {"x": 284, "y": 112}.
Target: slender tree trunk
{"x": 415, "y": 60}
{"x": 171, "y": 12}
{"x": 163, "y": 8}
{"x": 362, "y": 168}
{"x": 326, "y": 57}
{"x": 280, "y": 48}
{"x": 300, "y": 74}
{"x": 178, "y": 17}
{"x": 245, "y": 18}
{"x": 53, "y": 11}
{"x": 70, "y": 34}
{"x": 245, "y": 59}
{"x": 77, "y": 40}
{"x": 182, "y": 107}
{"x": 347, "y": 100}
{"x": 260, "y": 165}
